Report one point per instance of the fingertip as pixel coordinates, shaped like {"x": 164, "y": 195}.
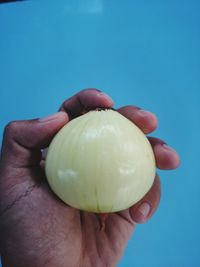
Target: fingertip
{"x": 97, "y": 96}
{"x": 63, "y": 116}
{"x": 60, "y": 116}
{"x": 145, "y": 120}
{"x": 84, "y": 101}
{"x": 141, "y": 214}
{"x": 166, "y": 157}
{"x": 143, "y": 210}
{"x": 108, "y": 99}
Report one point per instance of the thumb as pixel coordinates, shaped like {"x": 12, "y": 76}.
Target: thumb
{"x": 23, "y": 140}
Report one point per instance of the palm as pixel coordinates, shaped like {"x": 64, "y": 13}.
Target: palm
{"x": 58, "y": 228}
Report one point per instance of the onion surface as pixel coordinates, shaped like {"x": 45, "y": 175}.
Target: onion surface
{"x": 100, "y": 162}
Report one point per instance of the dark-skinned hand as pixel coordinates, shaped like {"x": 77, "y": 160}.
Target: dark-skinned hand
{"x": 39, "y": 230}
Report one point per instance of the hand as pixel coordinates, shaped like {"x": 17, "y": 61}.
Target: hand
{"x": 36, "y": 228}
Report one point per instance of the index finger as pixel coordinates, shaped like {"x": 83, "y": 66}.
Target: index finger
{"x": 84, "y": 101}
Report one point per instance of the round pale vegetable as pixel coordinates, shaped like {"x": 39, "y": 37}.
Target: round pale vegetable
{"x": 100, "y": 162}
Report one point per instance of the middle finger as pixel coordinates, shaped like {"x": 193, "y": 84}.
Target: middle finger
{"x": 144, "y": 119}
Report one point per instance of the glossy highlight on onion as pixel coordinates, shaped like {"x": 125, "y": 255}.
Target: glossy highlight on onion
{"x": 100, "y": 162}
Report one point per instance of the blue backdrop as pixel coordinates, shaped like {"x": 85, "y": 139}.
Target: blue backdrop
{"x": 140, "y": 52}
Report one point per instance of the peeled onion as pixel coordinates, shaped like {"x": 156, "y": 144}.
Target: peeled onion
{"x": 100, "y": 162}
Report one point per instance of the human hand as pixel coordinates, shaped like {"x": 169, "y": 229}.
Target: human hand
{"x": 36, "y": 228}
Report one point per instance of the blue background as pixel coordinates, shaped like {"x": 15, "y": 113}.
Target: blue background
{"x": 139, "y": 52}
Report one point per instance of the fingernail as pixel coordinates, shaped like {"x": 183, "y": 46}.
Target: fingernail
{"x": 98, "y": 90}
{"x": 142, "y": 212}
{"x": 52, "y": 117}
{"x": 105, "y": 95}
{"x": 142, "y": 112}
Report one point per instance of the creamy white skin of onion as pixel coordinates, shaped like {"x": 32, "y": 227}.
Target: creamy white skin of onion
{"x": 100, "y": 162}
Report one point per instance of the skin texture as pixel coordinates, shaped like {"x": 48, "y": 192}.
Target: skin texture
{"x": 36, "y": 228}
